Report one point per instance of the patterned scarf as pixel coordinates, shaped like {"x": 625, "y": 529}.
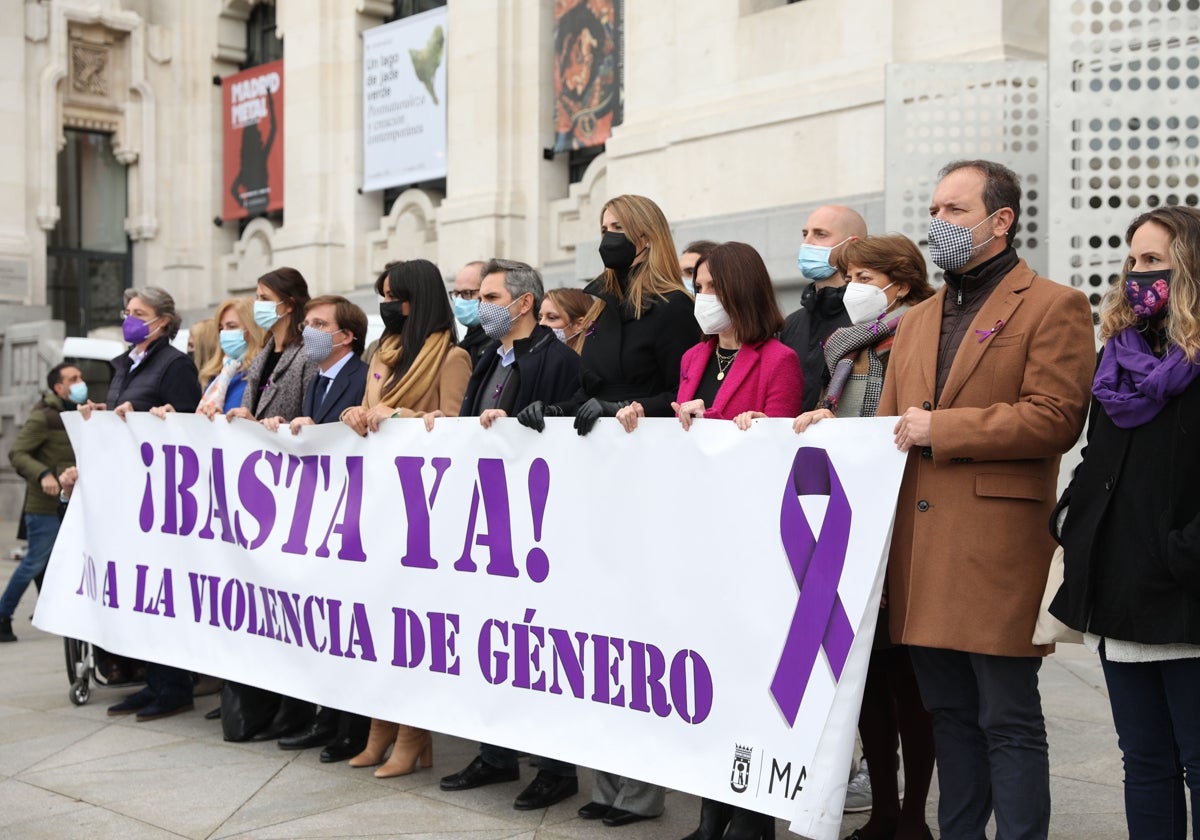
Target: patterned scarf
{"x": 844, "y": 347}
{"x": 417, "y": 381}
{"x": 214, "y": 394}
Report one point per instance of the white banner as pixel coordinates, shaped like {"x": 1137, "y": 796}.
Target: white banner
{"x": 404, "y": 101}
{"x": 705, "y": 599}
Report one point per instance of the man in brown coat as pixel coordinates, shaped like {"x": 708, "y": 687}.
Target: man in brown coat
{"x": 991, "y": 380}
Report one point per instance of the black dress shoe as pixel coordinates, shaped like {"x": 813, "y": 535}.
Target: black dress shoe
{"x": 477, "y": 774}
{"x": 159, "y": 709}
{"x": 545, "y": 790}
{"x": 617, "y": 817}
{"x": 133, "y": 703}
{"x": 317, "y": 734}
{"x": 343, "y": 748}
{"x": 594, "y": 811}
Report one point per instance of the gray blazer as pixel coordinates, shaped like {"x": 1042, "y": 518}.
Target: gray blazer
{"x": 283, "y": 394}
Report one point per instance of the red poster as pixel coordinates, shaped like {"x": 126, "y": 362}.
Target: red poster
{"x": 587, "y": 72}
{"x": 253, "y": 128}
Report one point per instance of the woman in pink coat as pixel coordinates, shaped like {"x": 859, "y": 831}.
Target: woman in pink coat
{"x": 740, "y": 371}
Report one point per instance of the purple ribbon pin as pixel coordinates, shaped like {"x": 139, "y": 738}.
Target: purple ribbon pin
{"x": 820, "y": 620}
{"x": 984, "y": 335}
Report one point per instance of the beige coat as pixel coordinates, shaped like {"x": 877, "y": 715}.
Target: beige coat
{"x": 447, "y": 392}
{"x": 971, "y": 548}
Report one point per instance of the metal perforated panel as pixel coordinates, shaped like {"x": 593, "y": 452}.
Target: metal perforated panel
{"x": 1125, "y": 92}
{"x": 937, "y": 113}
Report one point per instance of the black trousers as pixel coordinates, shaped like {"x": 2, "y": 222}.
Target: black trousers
{"x": 990, "y": 740}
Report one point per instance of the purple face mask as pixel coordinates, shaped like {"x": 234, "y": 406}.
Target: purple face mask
{"x": 135, "y": 330}
{"x": 1148, "y": 292}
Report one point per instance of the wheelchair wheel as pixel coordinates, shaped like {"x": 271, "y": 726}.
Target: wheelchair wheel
{"x": 80, "y": 692}
{"x": 76, "y": 656}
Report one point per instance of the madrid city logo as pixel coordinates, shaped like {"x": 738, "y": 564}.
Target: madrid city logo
{"x": 739, "y": 777}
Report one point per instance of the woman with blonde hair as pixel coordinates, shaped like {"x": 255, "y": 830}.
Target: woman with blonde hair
{"x": 631, "y": 358}
{"x": 224, "y": 376}
{"x": 570, "y": 313}
{"x": 417, "y": 369}
{"x": 632, "y": 355}
{"x": 1129, "y": 522}
{"x": 202, "y": 345}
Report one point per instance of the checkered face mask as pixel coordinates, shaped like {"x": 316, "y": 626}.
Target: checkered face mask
{"x": 495, "y": 319}
{"x": 951, "y": 246}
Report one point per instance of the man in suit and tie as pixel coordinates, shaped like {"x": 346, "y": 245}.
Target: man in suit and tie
{"x": 334, "y": 336}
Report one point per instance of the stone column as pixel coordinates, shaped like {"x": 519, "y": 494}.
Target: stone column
{"x": 325, "y": 217}
{"x": 500, "y": 120}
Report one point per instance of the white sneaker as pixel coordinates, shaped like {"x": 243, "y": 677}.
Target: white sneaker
{"x": 858, "y": 791}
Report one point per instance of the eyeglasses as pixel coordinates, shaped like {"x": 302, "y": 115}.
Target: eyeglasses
{"x": 125, "y": 313}
{"x": 464, "y": 294}
{"x": 323, "y": 326}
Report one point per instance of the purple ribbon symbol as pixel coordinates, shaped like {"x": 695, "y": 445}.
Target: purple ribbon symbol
{"x": 820, "y": 620}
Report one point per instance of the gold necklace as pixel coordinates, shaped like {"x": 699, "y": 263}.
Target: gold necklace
{"x": 724, "y": 363}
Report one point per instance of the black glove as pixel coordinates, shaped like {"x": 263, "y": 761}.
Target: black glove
{"x": 593, "y": 410}
{"x": 533, "y": 415}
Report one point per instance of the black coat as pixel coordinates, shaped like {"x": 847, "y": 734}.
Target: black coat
{"x": 165, "y": 376}
{"x": 627, "y": 358}
{"x": 805, "y": 330}
{"x": 346, "y": 391}
{"x": 547, "y": 370}
{"x": 475, "y": 341}
{"x": 1132, "y": 532}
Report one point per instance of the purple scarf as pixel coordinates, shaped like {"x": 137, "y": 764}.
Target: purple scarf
{"x": 1133, "y": 385}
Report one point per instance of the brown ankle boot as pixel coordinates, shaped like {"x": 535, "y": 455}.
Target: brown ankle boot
{"x": 413, "y": 747}
{"x": 380, "y": 737}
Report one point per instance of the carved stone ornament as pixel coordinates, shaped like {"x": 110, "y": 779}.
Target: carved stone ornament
{"x": 89, "y": 69}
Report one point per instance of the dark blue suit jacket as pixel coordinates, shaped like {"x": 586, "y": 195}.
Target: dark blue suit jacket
{"x": 346, "y": 391}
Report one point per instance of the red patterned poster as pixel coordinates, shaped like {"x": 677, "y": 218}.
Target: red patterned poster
{"x": 587, "y": 72}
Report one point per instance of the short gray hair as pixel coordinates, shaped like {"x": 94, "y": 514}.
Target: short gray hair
{"x": 519, "y": 278}
{"x": 161, "y": 302}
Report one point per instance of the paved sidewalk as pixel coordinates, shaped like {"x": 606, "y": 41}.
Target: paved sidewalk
{"x": 68, "y": 771}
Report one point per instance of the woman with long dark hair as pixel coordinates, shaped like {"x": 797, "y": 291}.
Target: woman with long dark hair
{"x": 279, "y": 375}
{"x": 418, "y": 366}
{"x": 417, "y": 369}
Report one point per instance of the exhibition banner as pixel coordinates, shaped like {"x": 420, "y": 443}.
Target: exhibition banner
{"x": 404, "y": 101}
{"x": 253, "y": 133}
{"x": 693, "y": 608}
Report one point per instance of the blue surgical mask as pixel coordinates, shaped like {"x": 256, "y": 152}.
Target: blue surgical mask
{"x": 233, "y": 343}
{"x": 813, "y": 260}
{"x": 78, "y": 393}
{"x": 266, "y": 313}
{"x": 467, "y": 311}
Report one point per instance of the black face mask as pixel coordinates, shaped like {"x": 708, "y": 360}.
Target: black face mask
{"x": 393, "y": 316}
{"x": 617, "y": 252}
